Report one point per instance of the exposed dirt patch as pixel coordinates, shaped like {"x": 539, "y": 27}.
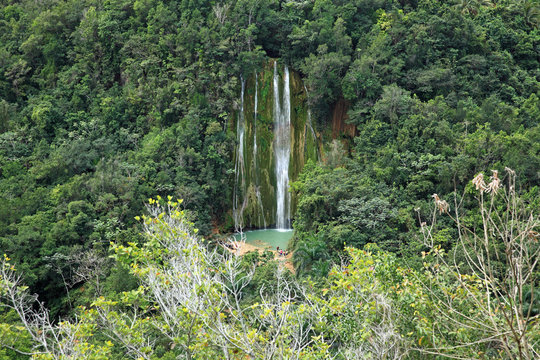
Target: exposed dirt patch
{"x": 286, "y": 260}
{"x": 339, "y": 118}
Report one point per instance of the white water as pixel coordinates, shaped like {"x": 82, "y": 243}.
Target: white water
{"x": 257, "y": 187}
{"x": 255, "y": 121}
{"x": 282, "y": 153}
{"x": 239, "y": 168}
{"x": 282, "y": 149}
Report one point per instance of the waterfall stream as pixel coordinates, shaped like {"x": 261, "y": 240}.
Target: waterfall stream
{"x": 282, "y": 148}
{"x": 239, "y": 167}
{"x": 274, "y": 139}
{"x": 310, "y": 125}
{"x": 257, "y": 183}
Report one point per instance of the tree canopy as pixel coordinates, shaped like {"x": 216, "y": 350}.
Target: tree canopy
{"x": 104, "y": 104}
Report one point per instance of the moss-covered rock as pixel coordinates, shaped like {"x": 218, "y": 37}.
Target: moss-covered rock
{"x": 256, "y": 194}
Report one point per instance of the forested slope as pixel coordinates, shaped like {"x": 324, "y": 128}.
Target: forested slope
{"x": 104, "y": 104}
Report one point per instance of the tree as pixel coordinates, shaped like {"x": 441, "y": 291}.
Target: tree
{"x": 58, "y": 341}
{"x": 191, "y": 297}
{"x": 196, "y": 287}
{"x": 324, "y": 71}
{"x": 496, "y": 266}
{"x": 309, "y": 254}
{"x": 471, "y": 7}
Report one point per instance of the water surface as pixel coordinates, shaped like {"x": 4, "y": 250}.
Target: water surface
{"x": 267, "y": 238}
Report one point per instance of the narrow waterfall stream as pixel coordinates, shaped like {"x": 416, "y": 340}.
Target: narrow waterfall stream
{"x": 257, "y": 182}
{"x": 310, "y": 125}
{"x": 239, "y": 199}
{"x": 282, "y": 149}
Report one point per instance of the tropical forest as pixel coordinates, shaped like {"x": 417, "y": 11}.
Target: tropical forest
{"x": 269, "y": 179}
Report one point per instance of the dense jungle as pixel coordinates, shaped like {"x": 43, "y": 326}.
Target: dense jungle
{"x": 137, "y": 136}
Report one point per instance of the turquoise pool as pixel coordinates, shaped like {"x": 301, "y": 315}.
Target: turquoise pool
{"x": 267, "y": 238}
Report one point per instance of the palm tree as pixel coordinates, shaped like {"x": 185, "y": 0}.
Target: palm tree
{"x": 529, "y": 9}
{"x": 321, "y": 268}
{"x": 308, "y": 253}
{"x": 531, "y": 13}
{"x": 471, "y": 7}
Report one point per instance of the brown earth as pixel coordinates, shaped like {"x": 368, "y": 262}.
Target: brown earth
{"x": 339, "y": 118}
{"x": 285, "y": 260}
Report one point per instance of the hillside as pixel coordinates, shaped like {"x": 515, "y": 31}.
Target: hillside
{"x": 106, "y": 104}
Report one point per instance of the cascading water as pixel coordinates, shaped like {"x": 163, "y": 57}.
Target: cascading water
{"x": 239, "y": 168}
{"x": 255, "y": 120}
{"x": 257, "y": 184}
{"x": 282, "y": 148}
{"x": 274, "y": 138}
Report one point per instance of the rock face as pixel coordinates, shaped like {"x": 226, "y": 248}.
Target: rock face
{"x": 274, "y": 140}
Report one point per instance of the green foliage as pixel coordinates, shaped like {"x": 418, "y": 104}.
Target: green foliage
{"x": 104, "y": 104}
{"x": 198, "y": 303}
{"x": 311, "y": 254}
{"x": 14, "y": 336}
{"x": 434, "y": 92}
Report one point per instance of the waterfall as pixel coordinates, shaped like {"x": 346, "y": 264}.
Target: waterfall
{"x": 255, "y": 124}
{"x": 239, "y": 168}
{"x": 274, "y": 139}
{"x": 282, "y": 148}
{"x": 257, "y": 185}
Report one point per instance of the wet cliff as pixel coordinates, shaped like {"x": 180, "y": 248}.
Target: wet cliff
{"x": 274, "y": 140}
